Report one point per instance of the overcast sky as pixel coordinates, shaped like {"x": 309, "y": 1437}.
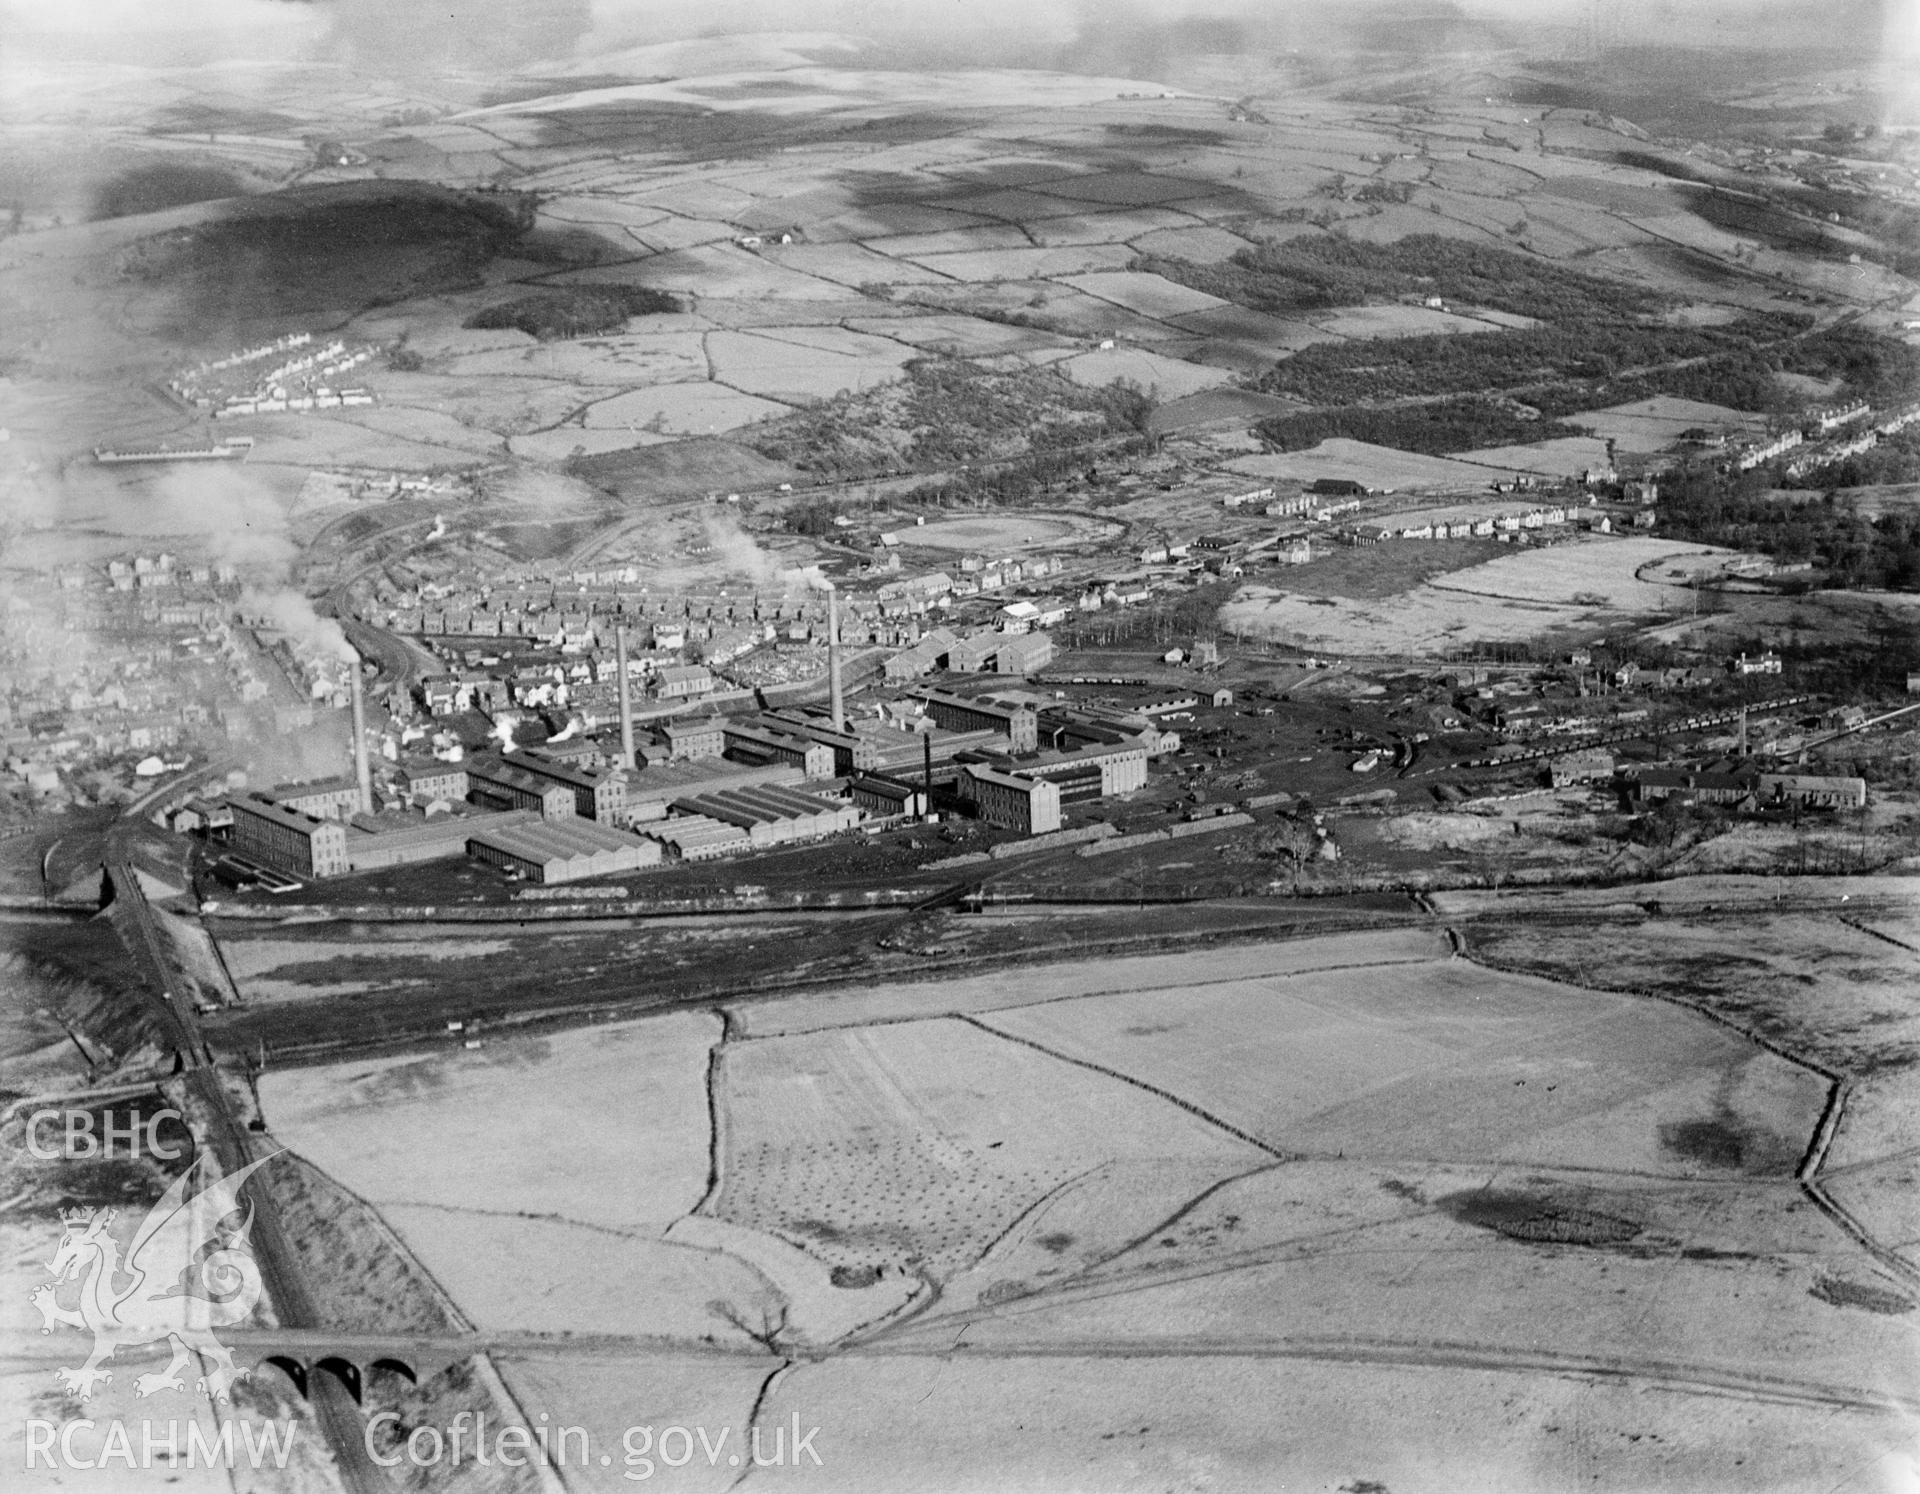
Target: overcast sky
{"x": 486, "y": 33}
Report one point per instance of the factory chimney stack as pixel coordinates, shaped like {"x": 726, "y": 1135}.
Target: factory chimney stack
{"x": 833, "y": 661}
{"x": 626, "y": 700}
{"x": 362, "y": 769}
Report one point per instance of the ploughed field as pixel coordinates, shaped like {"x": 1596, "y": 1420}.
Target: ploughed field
{"x": 1347, "y": 1169}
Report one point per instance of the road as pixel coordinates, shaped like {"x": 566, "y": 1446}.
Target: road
{"x": 334, "y": 1409}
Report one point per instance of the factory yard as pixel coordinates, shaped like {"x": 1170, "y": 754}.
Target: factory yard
{"x": 1333, "y": 1167}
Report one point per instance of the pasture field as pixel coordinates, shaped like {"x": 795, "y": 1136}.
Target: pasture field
{"x": 849, "y": 264}
{"x": 1271, "y": 336}
{"x": 791, "y": 372}
{"x": 1609, "y": 569}
{"x": 1394, "y": 321}
{"x": 1122, "y": 227}
{"x": 1498, "y": 1068}
{"x": 1652, "y": 425}
{"x": 1163, "y": 377}
{"x": 1203, "y": 245}
{"x": 689, "y": 1389}
{"x": 982, "y": 239}
{"x": 1564, "y": 456}
{"x": 1053, "y": 1419}
{"x": 561, "y": 442}
{"x": 464, "y": 1129}
{"x": 1073, "y": 979}
{"x": 650, "y": 357}
{"x": 1424, "y": 621}
{"x": 723, "y": 271}
{"x": 455, "y": 1150}
{"x": 1380, "y": 467}
{"x": 693, "y": 408}
{"x": 1149, "y": 295}
{"x": 958, "y": 336}
{"x": 998, "y": 265}
{"x": 915, "y": 1146}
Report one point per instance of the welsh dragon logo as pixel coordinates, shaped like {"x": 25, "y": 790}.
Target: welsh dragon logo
{"x": 187, "y": 1269}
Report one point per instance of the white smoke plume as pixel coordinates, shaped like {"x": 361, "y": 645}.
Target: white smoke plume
{"x": 290, "y": 612}
{"x": 742, "y": 553}
{"x": 238, "y": 519}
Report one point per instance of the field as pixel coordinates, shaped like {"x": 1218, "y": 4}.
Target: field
{"x": 1652, "y": 425}
{"x": 1566, "y": 456}
{"x": 1379, "y": 467}
{"x": 1004, "y": 536}
{"x": 1525, "y": 1073}
{"x": 1349, "y": 1166}
{"x": 1565, "y": 590}
{"x": 1608, "y": 569}
{"x": 455, "y": 1151}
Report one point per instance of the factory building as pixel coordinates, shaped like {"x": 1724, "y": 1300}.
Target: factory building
{"x": 376, "y": 842}
{"x": 956, "y": 713}
{"x": 597, "y": 794}
{"x": 1813, "y": 791}
{"x": 287, "y": 840}
{"x": 650, "y": 793}
{"x": 1112, "y": 769}
{"x": 897, "y": 751}
{"x": 973, "y": 654}
{"x": 493, "y": 784}
{"x": 324, "y": 799}
{"x": 567, "y": 850}
{"x": 772, "y": 815}
{"x": 696, "y": 837}
{"x": 705, "y": 736}
{"x": 757, "y": 745}
{"x": 1025, "y": 653}
{"x": 1592, "y": 765}
{"x": 921, "y": 659}
{"x": 432, "y": 780}
{"x": 883, "y": 798}
{"x": 1030, "y": 806}
{"x": 852, "y": 752}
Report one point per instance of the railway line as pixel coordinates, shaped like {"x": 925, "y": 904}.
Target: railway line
{"x": 335, "y": 1412}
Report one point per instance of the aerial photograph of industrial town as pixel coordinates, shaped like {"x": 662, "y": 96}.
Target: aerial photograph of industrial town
{"x": 934, "y": 749}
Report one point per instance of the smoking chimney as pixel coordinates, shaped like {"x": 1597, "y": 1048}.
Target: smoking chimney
{"x": 926, "y": 754}
{"x": 362, "y": 769}
{"x": 833, "y": 661}
{"x": 626, "y": 699}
